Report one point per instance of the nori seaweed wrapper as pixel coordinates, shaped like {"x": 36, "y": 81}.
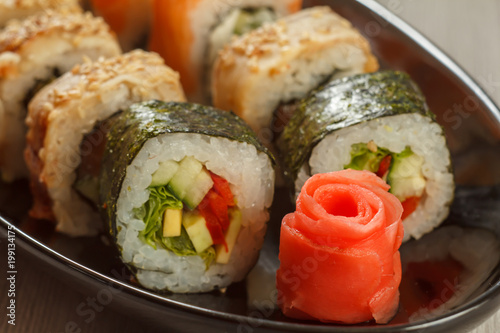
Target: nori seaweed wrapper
{"x": 346, "y": 102}
{"x": 131, "y": 129}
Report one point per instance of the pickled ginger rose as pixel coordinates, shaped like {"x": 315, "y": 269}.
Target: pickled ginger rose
{"x": 339, "y": 257}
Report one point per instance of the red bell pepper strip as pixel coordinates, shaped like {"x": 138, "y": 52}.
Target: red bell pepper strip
{"x": 219, "y": 208}
{"x": 409, "y": 206}
{"x": 213, "y": 225}
{"x": 221, "y": 186}
{"x": 384, "y": 166}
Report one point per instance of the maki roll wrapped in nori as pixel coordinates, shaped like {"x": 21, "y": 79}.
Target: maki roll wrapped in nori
{"x": 450, "y": 265}
{"x": 67, "y": 122}
{"x": 185, "y": 191}
{"x": 378, "y": 122}
{"x": 33, "y": 52}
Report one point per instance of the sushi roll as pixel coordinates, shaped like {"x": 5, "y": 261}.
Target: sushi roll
{"x": 21, "y": 9}
{"x": 283, "y": 62}
{"x": 67, "y": 123}
{"x": 129, "y": 19}
{"x": 185, "y": 191}
{"x": 446, "y": 269}
{"x": 32, "y": 53}
{"x": 378, "y": 122}
{"x": 188, "y": 34}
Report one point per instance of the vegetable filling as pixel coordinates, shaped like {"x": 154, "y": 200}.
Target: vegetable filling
{"x": 403, "y": 171}
{"x": 190, "y": 211}
{"x": 238, "y": 22}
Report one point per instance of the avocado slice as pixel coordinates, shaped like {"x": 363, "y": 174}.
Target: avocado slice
{"x": 172, "y": 222}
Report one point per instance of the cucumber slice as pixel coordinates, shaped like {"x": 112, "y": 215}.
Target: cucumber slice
{"x": 202, "y": 184}
{"x": 196, "y": 228}
{"x": 184, "y": 178}
{"x": 165, "y": 172}
{"x": 405, "y": 176}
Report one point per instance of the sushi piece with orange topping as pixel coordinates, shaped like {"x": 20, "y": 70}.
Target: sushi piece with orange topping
{"x": 129, "y": 19}
{"x": 188, "y": 34}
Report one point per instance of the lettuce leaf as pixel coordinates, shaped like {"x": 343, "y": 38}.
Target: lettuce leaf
{"x": 404, "y": 154}
{"x": 160, "y": 198}
{"x": 250, "y": 19}
{"x": 363, "y": 158}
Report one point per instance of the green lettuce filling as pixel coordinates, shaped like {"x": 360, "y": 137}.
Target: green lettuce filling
{"x": 160, "y": 198}
{"x": 404, "y": 154}
{"x": 362, "y": 158}
{"x": 251, "y": 19}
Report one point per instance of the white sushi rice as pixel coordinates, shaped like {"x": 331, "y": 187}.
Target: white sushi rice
{"x": 426, "y": 139}
{"x": 251, "y": 179}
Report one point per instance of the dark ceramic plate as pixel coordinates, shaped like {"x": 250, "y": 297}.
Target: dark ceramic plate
{"x": 472, "y": 125}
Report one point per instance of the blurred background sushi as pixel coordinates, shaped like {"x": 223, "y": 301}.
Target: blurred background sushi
{"x": 33, "y": 52}
{"x": 188, "y": 34}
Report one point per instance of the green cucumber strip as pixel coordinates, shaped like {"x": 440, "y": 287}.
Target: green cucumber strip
{"x": 185, "y": 177}
{"x": 405, "y": 175}
{"x": 166, "y": 170}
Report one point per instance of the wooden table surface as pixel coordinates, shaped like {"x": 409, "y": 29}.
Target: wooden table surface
{"x": 469, "y": 31}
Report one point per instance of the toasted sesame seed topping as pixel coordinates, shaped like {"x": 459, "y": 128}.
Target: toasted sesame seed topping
{"x": 45, "y": 4}
{"x": 273, "y": 39}
{"x": 70, "y": 24}
{"x": 92, "y": 75}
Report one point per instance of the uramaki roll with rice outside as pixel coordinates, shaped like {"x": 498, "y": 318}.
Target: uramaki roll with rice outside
{"x": 188, "y": 34}
{"x": 260, "y": 75}
{"x": 67, "y": 123}
{"x": 21, "y": 9}
{"x": 32, "y": 53}
{"x": 378, "y": 122}
{"x": 185, "y": 191}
